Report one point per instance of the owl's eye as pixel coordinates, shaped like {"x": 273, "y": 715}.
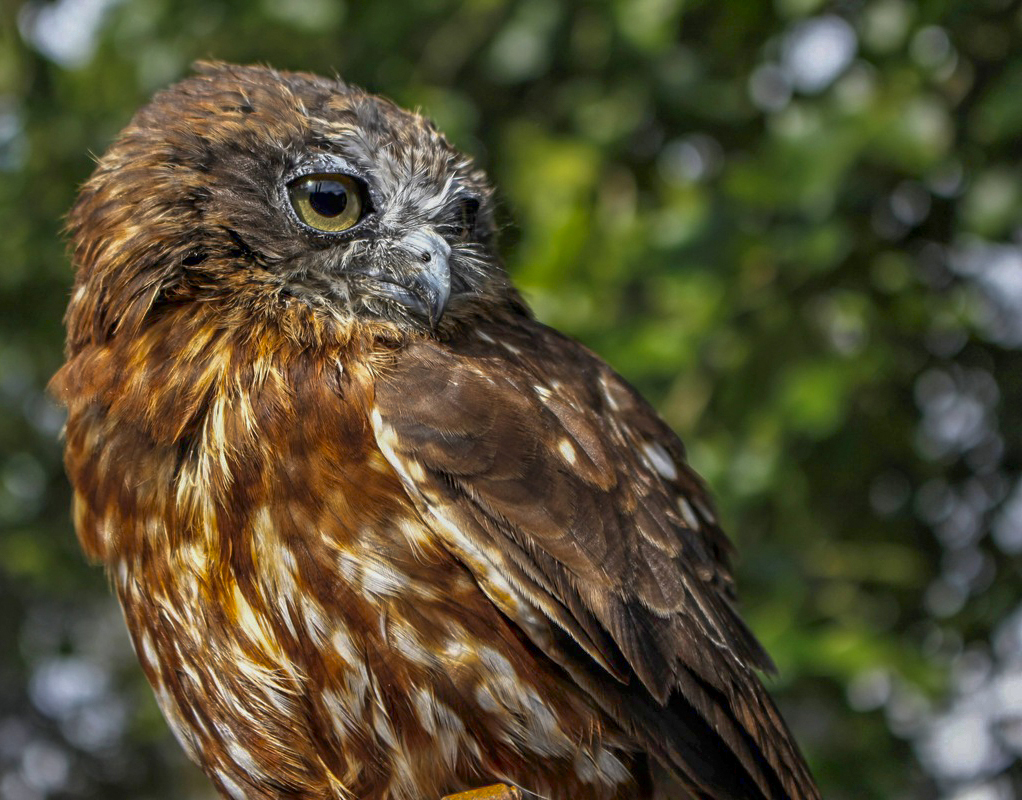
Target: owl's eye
{"x": 330, "y": 202}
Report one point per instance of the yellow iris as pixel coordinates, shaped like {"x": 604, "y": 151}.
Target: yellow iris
{"x": 329, "y": 202}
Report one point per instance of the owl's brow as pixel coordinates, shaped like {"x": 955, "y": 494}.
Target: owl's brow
{"x": 347, "y": 123}
{"x": 444, "y": 198}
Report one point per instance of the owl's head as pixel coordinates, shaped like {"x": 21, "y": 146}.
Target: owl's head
{"x": 254, "y": 187}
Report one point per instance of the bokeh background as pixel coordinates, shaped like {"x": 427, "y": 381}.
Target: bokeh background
{"x": 796, "y": 225}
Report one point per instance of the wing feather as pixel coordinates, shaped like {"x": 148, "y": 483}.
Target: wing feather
{"x": 564, "y": 493}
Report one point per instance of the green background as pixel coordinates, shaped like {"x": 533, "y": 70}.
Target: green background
{"x": 797, "y": 226}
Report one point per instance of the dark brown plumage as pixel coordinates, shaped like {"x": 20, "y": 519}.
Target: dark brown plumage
{"x": 377, "y": 532}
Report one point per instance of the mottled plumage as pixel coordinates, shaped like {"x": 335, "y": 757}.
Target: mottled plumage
{"x": 377, "y": 532}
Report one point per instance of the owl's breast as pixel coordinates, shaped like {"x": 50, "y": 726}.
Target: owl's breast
{"x": 357, "y": 656}
{"x": 306, "y": 633}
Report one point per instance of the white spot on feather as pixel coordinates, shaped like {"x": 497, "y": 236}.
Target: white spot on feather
{"x": 415, "y": 533}
{"x": 704, "y": 510}
{"x": 149, "y": 651}
{"x": 250, "y": 625}
{"x": 348, "y": 566}
{"x": 242, "y": 758}
{"x": 231, "y": 786}
{"x": 567, "y": 450}
{"x": 688, "y": 514}
{"x": 195, "y": 558}
{"x": 338, "y": 712}
{"x": 343, "y": 645}
{"x": 316, "y": 624}
{"x": 186, "y": 736}
{"x": 383, "y": 727}
{"x": 496, "y": 662}
{"x": 660, "y": 460}
{"x": 346, "y": 711}
{"x": 490, "y": 572}
{"x": 405, "y": 641}
{"x": 410, "y": 471}
{"x": 608, "y": 394}
{"x": 485, "y": 699}
{"x": 106, "y": 530}
{"x": 380, "y": 579}
{"x": 260, "y": 679}
{"x": 415, "y": 470}
{"x": 531, "y": 725}
{"x": 456, "y": 649}
{"x": 440, "y": 722}
{"x": 599, "y": 767}
{"x": 610, "y": 766}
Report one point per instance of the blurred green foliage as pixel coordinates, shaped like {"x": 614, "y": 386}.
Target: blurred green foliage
{"x": 797, "y": 226}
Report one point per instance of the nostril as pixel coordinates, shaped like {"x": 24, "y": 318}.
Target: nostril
{"x": 425, "y": 246}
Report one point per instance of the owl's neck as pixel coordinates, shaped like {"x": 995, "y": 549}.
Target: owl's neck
{"x": 169, "y": 420}
{"x": 163, "y": 378}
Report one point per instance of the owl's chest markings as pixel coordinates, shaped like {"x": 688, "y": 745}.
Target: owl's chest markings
{"x": 296, "y": 615}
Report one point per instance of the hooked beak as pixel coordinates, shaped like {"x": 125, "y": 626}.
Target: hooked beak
{"x": 424, "y": 285}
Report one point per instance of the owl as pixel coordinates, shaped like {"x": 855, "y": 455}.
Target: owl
{"x": 378, "y": 533}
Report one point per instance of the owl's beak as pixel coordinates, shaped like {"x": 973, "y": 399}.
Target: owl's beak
{"x": 423, "y": 286}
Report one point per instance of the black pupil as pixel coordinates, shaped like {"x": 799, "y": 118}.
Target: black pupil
{"x": 327, "y": 198}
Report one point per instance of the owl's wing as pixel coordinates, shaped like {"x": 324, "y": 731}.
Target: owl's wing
{"x": 570, "y": 500}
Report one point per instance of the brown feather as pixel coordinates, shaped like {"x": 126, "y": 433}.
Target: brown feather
{"x": 555, "y": 477}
